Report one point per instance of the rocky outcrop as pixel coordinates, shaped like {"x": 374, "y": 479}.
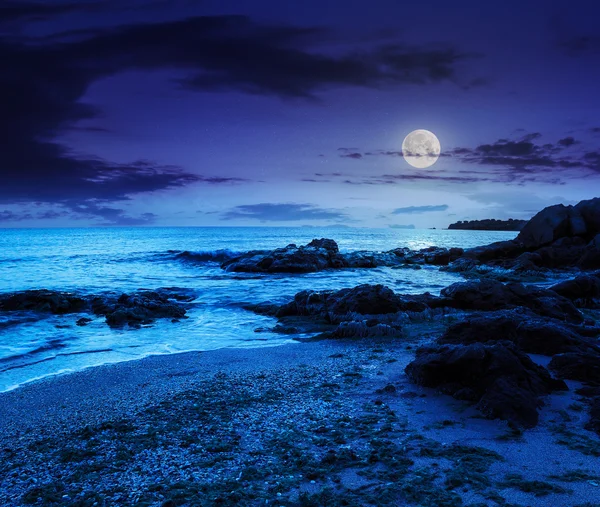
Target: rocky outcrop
{"x": 583, "y": 290}
{"x": 42, "y": 301}
{"x": 137, "y": 309}
{"x": 594, "y": 423}
{"x": 364, "y": 299}
{"x": 489, "y": 295}
{"x": 525, "y": 330}
{"x": 550, "y": 224}
{"x": 502, "y": 381}
{"x": 581, "y": 366}
{"x": 490, "y": 224}
{"x": 316, "y": 256}
{"x": 323, "y": 253}
{"x": 558, "y": 237}
{"x": 143, "y": 307}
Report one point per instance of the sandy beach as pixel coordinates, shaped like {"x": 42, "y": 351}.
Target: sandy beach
{"x": 318, "y": 423}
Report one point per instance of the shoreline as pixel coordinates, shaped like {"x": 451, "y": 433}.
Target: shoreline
{"x": 61, "y": 373}
{"x": 300, "y": 419}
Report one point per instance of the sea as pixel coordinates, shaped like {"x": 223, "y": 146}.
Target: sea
{"x": 121, "y": 260}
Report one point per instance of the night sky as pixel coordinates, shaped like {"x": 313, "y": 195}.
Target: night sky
{"x": 267, "y": 112}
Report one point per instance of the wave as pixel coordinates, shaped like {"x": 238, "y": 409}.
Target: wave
{"x": 51, "y": 345}
{"x": 50, "y": 358}
{"x": 201, "y": 257}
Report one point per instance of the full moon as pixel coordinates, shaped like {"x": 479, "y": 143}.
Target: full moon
{"x": 421, "y": 148}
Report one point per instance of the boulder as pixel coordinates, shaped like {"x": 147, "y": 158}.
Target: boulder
{"x": 584, "y": 367}
{"x": 594, "y": 423}
{"x": 502, "y": 381}
{"x": 364, "y": 300}
{"x": 319, "y": 254}
{"x": 590, "y": 211}
{"x": 550, "y": 224}
{"x": 43, "y": 300}
{"x": 499, "y": 250}
{"x": 591, "y": 255}
{"x": 583, "y": 290}
{"x": 491, "y": 295}
{"x": 525, "y": 330}
{"x": 136, "y": 309}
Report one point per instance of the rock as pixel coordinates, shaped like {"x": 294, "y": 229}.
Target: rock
{"x": 324, "y": 253}
{"x": 364, "y": 300}
{"x": 491, "y": 295}
{"x": 499, "y": 250}
{"x": 590, "y": 211}
{"x": 591, "y": 255}
{"x": 552, "y": 223}
{"x": 326, "y": 244}
{"x": 583, "y": 290}
{"x": 136, "y": 309}
{"x": 525, "y": 330}
{"x": 502, "y": 381}
{"x": 83, "y": 321}
{"x": 43, "y": 301}
{"x": 584, "y": 367}
{"x": 594, "y": 422}
{"x": 319, "y": 254}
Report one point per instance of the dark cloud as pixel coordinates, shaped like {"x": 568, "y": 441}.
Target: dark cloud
{"x": 19, "y": 11}
{"x": 356, "y": 156}
{"x": 12, "y": 216}
{"x": 568, "y": 141}
{"x": 268, "y": 212}
{"x": 412, "y": 210}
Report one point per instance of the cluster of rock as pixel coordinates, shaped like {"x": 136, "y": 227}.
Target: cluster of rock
{"x": 558, "y": 237}
{"x": 324, "y": 253}
{"x": 134, "y": 310}
{"x": 484, "y": 358}
{"x": 490, "y": 224}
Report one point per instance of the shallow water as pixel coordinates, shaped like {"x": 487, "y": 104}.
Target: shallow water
{"x": 127, "y": 259}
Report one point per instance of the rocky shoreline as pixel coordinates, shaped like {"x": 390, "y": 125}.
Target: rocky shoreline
{"x": 341, "y": 428}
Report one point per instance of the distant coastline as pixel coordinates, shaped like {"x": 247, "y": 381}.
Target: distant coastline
{"x": 490, "y": 224}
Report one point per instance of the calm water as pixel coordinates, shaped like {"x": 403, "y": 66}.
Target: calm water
{"x": 126, "y": 259}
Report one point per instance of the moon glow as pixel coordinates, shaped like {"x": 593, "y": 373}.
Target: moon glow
{"x": 421, "y": 148}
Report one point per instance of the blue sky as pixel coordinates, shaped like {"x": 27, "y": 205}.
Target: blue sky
{"x": 200, "y": 113}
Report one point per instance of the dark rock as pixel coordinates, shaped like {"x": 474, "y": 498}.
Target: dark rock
{"x": 319, "y": 254}
{"x": 326, "y": 244}
{"x": 591, "y": 256}
{"x": 42, "y": 301}
{"x": 524, "y": 329}
{"x": 594, "y": 422}
{"x": 323, "y": 253}
{"x": 552, "y": 223}
{"x": 493, "y": 295}
{"x": 364, "y": 299}
{"x": 83, "y": 321}
{"x": 137, "y": 309}
{"x": 503, "y": 382}
{"x": 499, "y": 250}
{"x": 584, "y": 367}
{"x": 583, "y": 290}
{"x": 590, "y": 211}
